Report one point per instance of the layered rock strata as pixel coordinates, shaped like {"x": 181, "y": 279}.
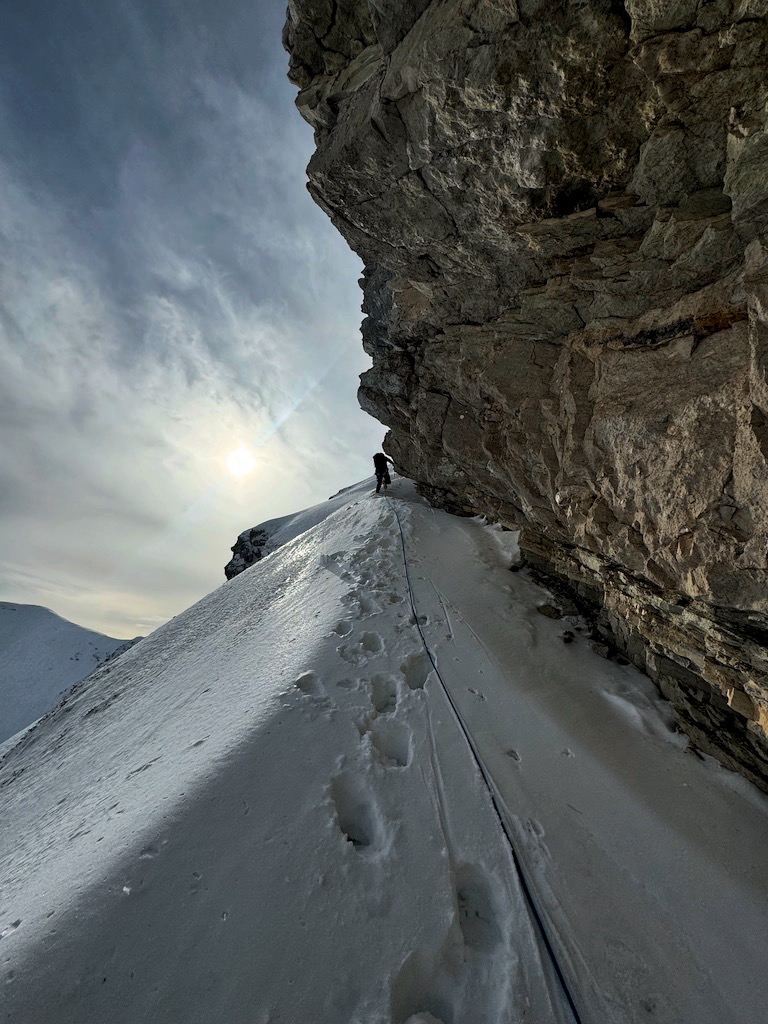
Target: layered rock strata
{"x": 563, "y": 209}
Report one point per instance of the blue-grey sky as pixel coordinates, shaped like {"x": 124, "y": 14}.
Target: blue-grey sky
{"x": 168, "y": 294}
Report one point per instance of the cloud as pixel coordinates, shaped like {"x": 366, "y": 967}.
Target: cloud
{"x": 169, "y": 292}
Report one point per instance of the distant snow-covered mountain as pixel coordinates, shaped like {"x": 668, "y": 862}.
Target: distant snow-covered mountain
{"x": 42, "y": 655}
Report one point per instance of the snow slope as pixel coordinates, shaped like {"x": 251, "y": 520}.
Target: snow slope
{"x": 41, "y": 657}
{"x": 258, "y": 541}
{"x": 269, "y": 812}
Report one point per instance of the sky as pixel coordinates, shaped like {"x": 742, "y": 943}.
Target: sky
{"x": 169, "y": 294}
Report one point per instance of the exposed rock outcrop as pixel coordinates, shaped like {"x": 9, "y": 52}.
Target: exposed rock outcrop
{"x": 562, "y": 208}
{"x": 249, "y": 548}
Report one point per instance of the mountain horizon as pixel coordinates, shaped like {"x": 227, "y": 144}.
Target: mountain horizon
{"x": 42, "y": 655}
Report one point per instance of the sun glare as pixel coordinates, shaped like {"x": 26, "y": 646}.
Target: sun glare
{"x": 240, "y": 462}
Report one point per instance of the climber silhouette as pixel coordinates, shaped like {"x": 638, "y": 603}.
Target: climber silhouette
{"x": 380, "y": 461}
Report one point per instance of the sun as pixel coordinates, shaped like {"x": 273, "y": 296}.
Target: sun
{"x": 240, "y": 462}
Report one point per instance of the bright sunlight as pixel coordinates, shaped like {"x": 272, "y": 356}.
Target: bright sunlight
{"x": 240, "y": 462}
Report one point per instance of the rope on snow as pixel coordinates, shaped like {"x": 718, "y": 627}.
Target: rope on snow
{"x": 527, "y": 890}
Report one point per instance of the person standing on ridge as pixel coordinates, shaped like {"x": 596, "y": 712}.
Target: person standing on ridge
{"x": 380, "y": 461}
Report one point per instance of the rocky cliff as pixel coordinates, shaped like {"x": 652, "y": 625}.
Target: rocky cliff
{"x": 563, "y": 208}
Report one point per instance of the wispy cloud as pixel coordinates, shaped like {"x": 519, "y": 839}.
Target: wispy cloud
{"x": 167, "y": 292}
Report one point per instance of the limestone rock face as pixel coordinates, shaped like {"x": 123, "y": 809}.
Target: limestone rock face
{"x": 563, "y": 212}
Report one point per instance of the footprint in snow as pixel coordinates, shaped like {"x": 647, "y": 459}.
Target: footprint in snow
{"x": 431, "y": 983}
{"x": 357, "y": 813}
{"x": 412, "y": 991}
{"x": 361, "y": 605}
{"x": 372, "y": 643}
{"x": 416, "y": 669}
{"x": 310, "y": 685}
{"x": 369, "y": 645}
{"x": 369, "y": 605}
{"x": 477, "y": 914}
{"x": 392, "y": 741}
{"x": 333, "y": 558}
{"x": 335, "y": 564}
{"x": 342, "y": 628}
{"x": 384, "y": 693}
{"x": 352, "y": 654}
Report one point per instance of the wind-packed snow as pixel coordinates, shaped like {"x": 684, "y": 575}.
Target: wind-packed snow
{"x": 268, "y": 811}
{"x": 41, "y": 657}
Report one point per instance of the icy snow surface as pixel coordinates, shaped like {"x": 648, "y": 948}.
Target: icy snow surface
{"x": 267, "y": 812}
{"x": 41, "y": 657}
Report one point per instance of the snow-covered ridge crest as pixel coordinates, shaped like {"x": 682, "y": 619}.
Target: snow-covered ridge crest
{"x": 253, "y": 544}
{"x": 267, "y": 810}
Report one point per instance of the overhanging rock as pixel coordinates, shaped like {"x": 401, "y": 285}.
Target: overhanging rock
{"x": 563, "y": 213}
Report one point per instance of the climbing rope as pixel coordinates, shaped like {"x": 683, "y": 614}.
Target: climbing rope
{"x": 527, "y": 890}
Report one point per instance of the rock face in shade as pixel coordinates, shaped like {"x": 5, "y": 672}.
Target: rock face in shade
{"x": 563, "y": 212}
{"x": 249, "y": 548}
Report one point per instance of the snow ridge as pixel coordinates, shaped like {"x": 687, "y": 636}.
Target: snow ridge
{"x": 467, "y": 970}
{"x": 266, "y": 811}
{"x": 272, "y": 794}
